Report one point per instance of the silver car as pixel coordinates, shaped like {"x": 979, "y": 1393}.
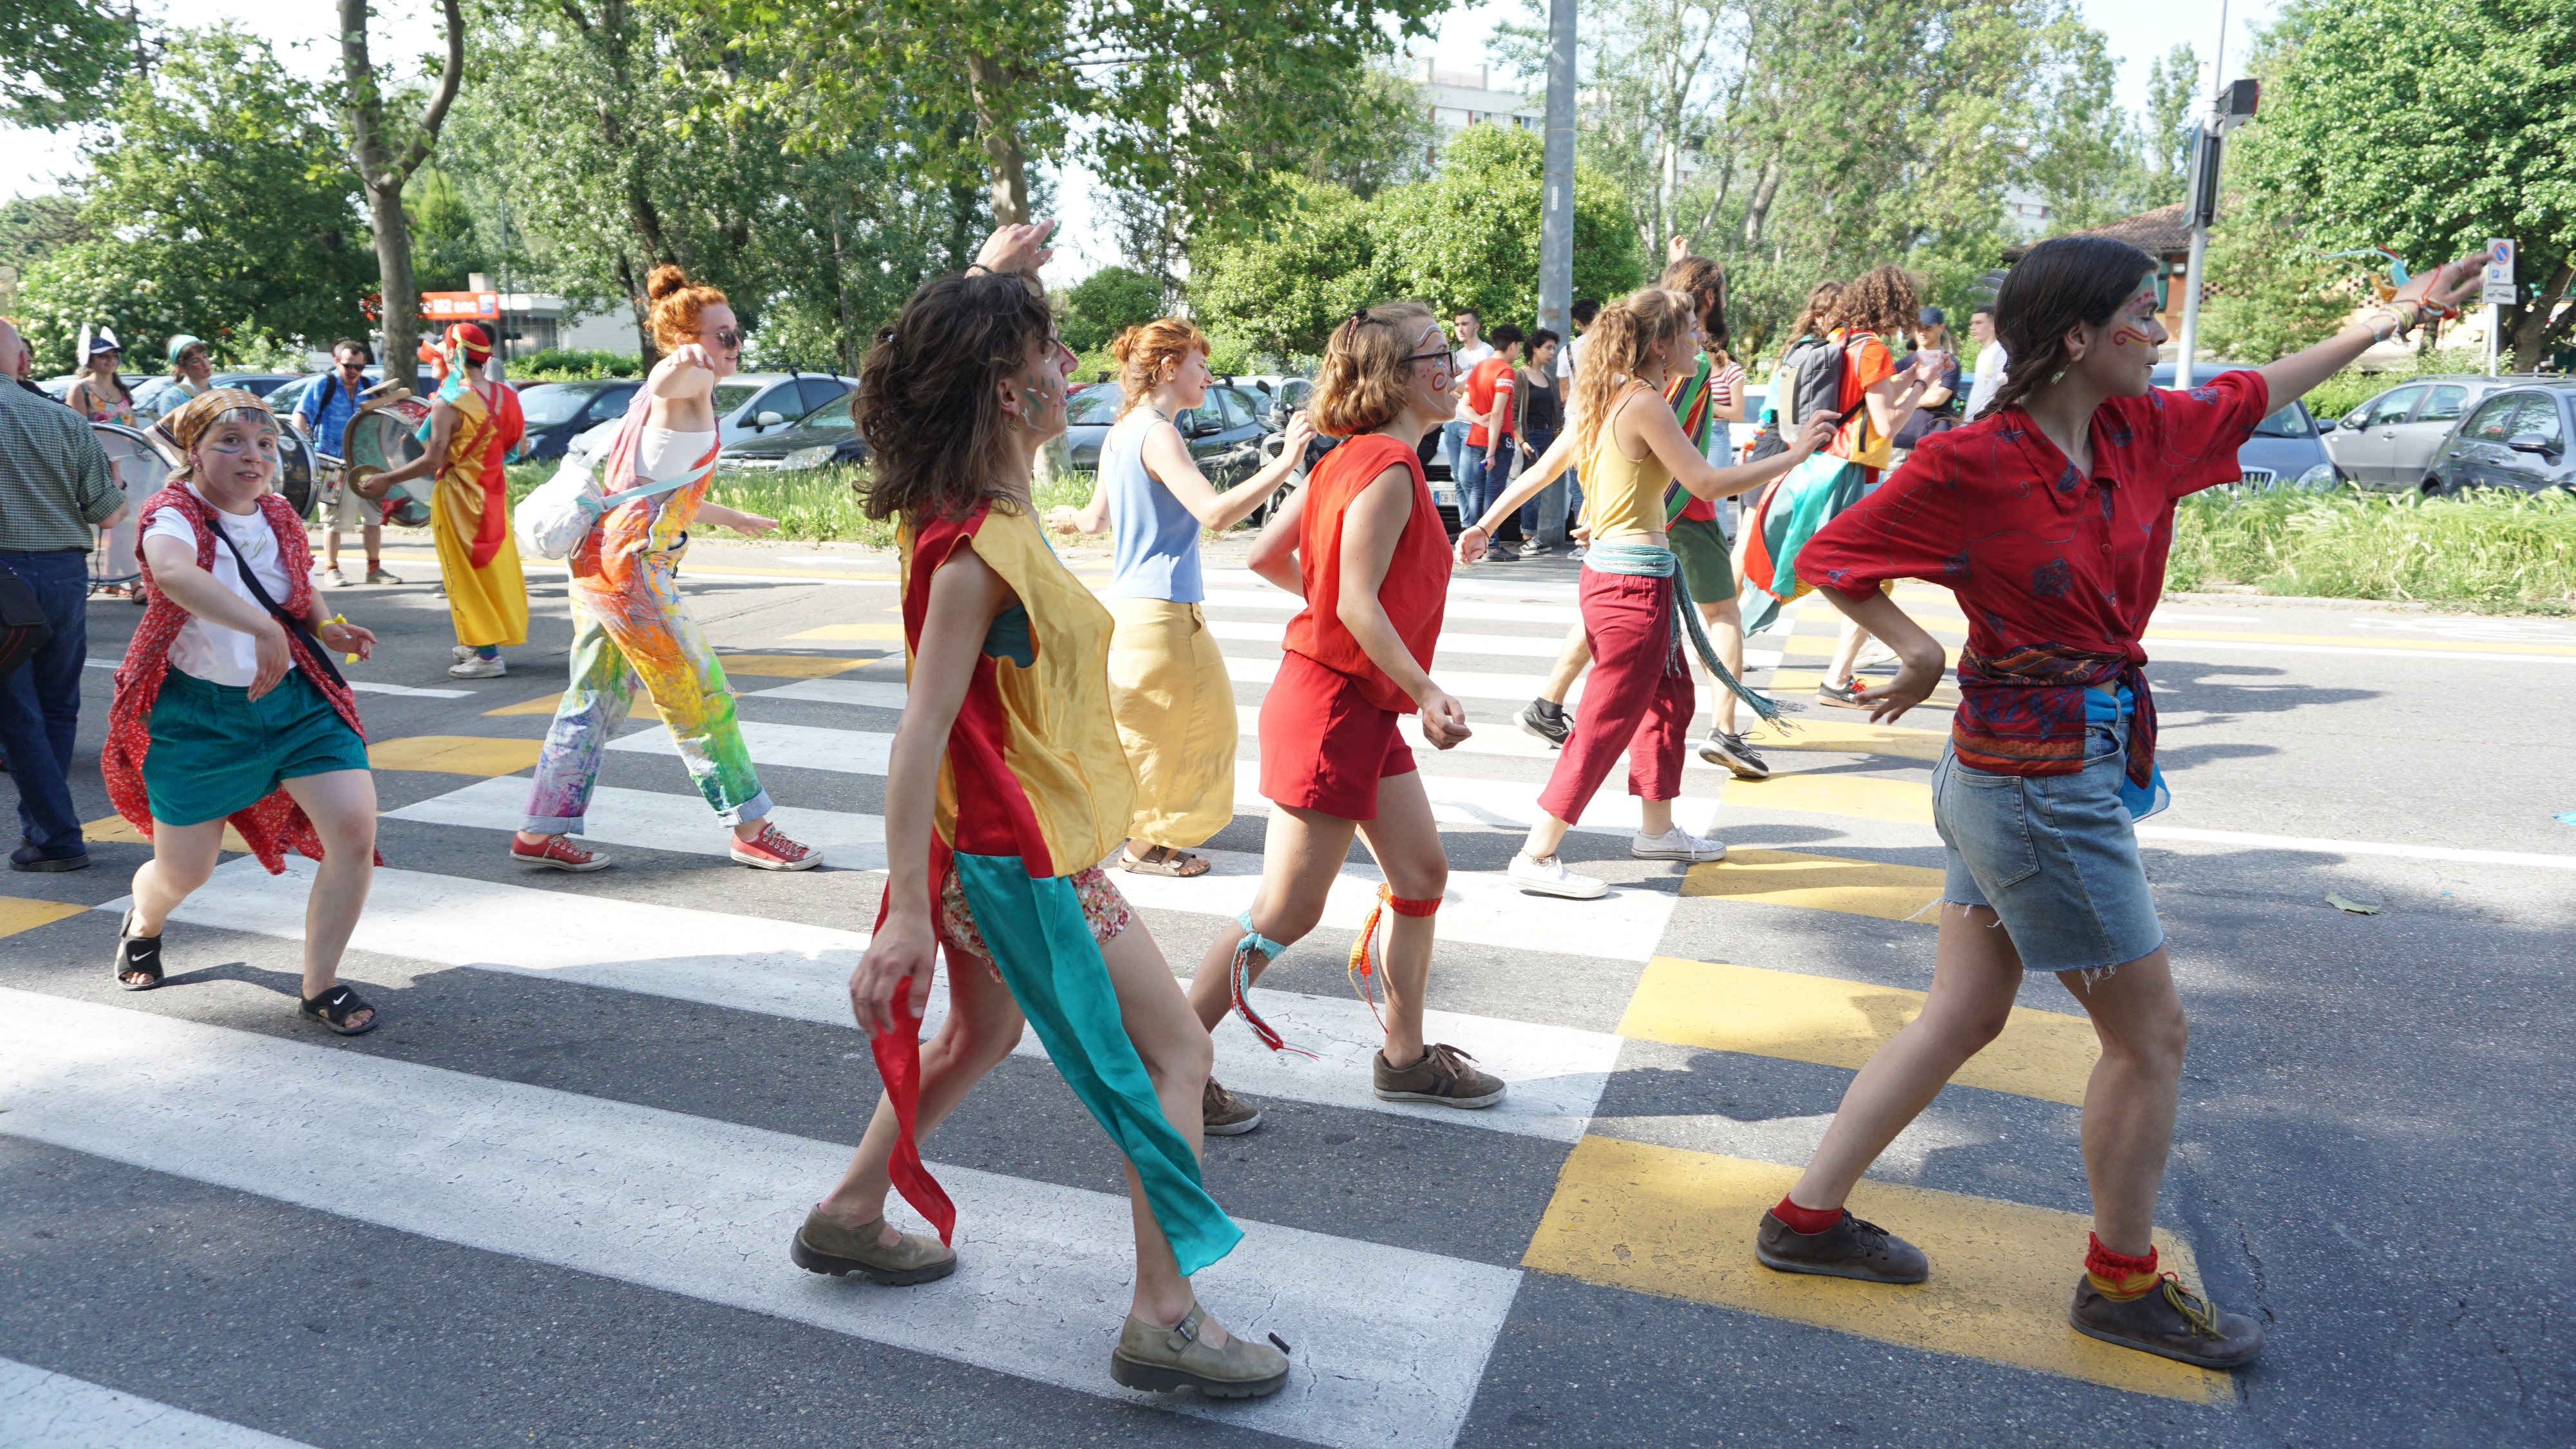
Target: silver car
{"x": 2517, "y": 438}
{"x": 2389, "y": 443}
{"x": 747, "y": 404}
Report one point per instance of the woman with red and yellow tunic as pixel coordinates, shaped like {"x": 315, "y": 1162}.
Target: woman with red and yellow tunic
{"x": 1363, "y": 546}
{"x": 471, "y": 427}
{"x": 1005, "y": 787}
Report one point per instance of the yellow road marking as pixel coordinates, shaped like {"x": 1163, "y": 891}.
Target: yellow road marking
{"x": 1837, "y": 1023}
{"x": 1854, "y": 735}
{"x": 17, "y": 913}
{"x": 1818, "y": 882}
{"x": 455, "y": 754}
{"x": 1680, "y": 1224}
{"x": 116, "y": 830}
{"x": 1865, "y": 797}
{"x": 794, "y": 666}
{"x": 853, "y": 631}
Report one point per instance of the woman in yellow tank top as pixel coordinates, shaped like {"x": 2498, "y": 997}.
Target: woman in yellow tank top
{"x": 1640, "y": 697}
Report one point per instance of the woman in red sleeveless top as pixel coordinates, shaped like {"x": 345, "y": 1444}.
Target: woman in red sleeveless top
{"x": 1363, "y": 545}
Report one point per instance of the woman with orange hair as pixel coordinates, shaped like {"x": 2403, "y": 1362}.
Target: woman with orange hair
{"x": 471, "y": 426}
{"x": 628, "y": 621}
{"x": 1167, "y": 682}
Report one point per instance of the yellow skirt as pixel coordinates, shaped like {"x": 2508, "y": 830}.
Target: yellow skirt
{"x": 489, "y": 605}
{"x": 1175, "y": 711}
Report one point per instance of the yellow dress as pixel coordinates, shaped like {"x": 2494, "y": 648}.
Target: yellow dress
{"x": 468, "y": 509}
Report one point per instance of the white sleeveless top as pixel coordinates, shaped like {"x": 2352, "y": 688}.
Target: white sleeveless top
{"x": 662, "y": 453}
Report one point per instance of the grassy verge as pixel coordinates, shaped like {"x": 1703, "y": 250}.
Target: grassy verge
{"x": 2496, "y": 552}
{"x": 820, "y": 505}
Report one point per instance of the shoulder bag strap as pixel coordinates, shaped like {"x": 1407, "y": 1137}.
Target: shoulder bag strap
{"x": 294, "y": 626}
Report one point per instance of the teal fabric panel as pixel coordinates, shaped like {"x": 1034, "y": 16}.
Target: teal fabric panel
{"x": 1807, "y": 499}
{"x": 1053, "y": 967}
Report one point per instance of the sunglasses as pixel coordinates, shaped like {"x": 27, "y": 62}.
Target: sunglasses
{"x": 728, "y": 337}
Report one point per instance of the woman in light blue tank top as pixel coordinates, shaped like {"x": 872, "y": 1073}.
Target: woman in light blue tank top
{"x": 1167, "y": 681}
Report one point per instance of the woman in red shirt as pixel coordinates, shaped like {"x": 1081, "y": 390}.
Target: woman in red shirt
{"x": 2050, "y": 517}
{"x": 1362, "y": 544}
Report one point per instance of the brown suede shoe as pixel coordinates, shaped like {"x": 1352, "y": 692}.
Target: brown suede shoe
{"x": 1159, "y": 1360}
{"x": 824, "y": 1246}
{"x": 1223, "y": 1114}
{"x": 2169, "y": 1321}
{"x": 1851, "y": 1248}
{"x": 1442, "y": 1076}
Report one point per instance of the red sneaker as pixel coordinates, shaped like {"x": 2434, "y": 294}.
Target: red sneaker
{"x": 558, "y": 853}
{"x": 770, "y": 850}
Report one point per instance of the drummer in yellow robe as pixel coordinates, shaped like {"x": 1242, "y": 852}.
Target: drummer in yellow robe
{"x": 471, "y": 428}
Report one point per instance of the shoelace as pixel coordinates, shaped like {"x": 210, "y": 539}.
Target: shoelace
{"x": 2194, "y": 1309}
{"x": 1448, "y": 1061}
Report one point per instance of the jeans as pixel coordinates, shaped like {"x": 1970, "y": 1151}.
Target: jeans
{"x": 40, "y": 702}
{"x": 1453, "y": 444}
{"x": 1544, "y": 516}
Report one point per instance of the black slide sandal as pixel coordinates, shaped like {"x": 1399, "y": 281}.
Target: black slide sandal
{"x": 334, "y": 1007}
{"x": 136, "y": 956}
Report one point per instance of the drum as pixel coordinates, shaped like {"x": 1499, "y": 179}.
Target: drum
{"x": 385, "y": 435}
{"x": 143, "y": 462}
{"x": 295, "y": 471}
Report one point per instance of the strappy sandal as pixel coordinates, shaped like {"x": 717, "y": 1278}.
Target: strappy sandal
{"x": 334, "y": 1007}
{"x": 136, "y": 956}
{"x": 1174, "y": 865}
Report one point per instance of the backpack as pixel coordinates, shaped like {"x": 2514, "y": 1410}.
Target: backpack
{"x": 1810, "y": 376}
{"x": 553, "y": 520}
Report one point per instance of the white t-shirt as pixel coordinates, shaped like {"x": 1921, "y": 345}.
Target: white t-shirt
{"x": 210, "y": 651}
{"x": 1468, "y": 357}
{"x": 1565, "y": 355}
{"x": 664, "y": 453}
{"x": 1990, "y": 376}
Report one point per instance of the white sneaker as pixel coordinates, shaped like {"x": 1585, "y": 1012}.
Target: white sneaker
{"x": 478, "y": 667}
{"x": 1675, "y": 844}
{"x": 460, "y": 652}
{"x": 335, "y": 578}
{"x": 1549, "y": 877}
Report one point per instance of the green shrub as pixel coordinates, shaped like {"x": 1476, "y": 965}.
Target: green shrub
{"x": 570, "y": 364}
{"x": 2495, "y": 551}
{"x": 818, "y": 505}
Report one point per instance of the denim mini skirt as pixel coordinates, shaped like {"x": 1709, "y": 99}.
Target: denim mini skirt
{"x": 2054, "y": 856}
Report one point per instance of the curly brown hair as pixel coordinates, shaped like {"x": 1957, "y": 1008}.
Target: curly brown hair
{"x": 1880, "y": 300}
{"x": 1361, "y": 386}
{"x": 1705, "y": 282}
{"x": 929, "y": 404}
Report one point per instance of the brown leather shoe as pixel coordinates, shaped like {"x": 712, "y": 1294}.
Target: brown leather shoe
{"x": 1441, "y": 1077}
{"x": 1223, "y": 1114}
{"x": 2169, "y": 1321}
{"x": 824, "y": 1246}
{"x": 1159, "y": 1360}
{"x": 1851, "y": 1248}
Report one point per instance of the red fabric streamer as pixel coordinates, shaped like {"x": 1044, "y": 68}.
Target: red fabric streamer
{"x": 898, "y": 1054}
{"x": 1363, "y": 964}
{"x": 502, "y": 430}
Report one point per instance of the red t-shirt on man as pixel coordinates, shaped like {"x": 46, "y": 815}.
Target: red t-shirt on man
{"x": 1491, "y": 377}
{"x": 2057, "y": 572}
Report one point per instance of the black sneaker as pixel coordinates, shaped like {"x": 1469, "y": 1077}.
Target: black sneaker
{"x": 1851, "y": 1248}
{"x": 1846, "y": 695}
{"x": 2169, "y": 1321}
{"x": 1545, "y": 719}
{"x": 1721, "y": 748}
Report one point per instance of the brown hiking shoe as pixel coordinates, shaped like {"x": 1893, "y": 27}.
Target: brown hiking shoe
{"x": 2169, "y": 1321}
{"x": 1159, "y": 1360}
{"x": 1852, "y": 1248}
{"x": 1223, "y": 1114}
{"x": 824, "y": 1246}
{"x": 1442, "y": 1076}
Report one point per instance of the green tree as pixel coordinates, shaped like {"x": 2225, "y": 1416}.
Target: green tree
{"x": 217, "y": 204}
{"x": 1288, "y": 284}
{"x": 2173, "y": 85}
{"x": 2271, "y": 291}
{"x": 446, "y": 244}
{"x": 1106, "y": 303}
{"x": 64, "y": 60}
{"x": 385, "y": 149}
{"x": 2381, "y": 129}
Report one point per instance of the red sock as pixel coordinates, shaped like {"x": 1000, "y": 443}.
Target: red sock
{"x": 2118, "y": 1275}
{"x": 1806, "y": 1219}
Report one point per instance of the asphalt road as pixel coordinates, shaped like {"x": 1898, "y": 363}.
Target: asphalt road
{"x": 548, "y": 1202}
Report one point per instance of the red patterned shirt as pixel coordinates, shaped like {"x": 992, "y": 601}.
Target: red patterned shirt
{"x": 2057, "y": 572}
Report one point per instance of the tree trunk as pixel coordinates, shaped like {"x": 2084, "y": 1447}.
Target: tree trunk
{"x": 401, "y": 292}
{"x": 1008, "y": 162}
{"x": 383, "y": 175}
{"x": 2529, "y": 327}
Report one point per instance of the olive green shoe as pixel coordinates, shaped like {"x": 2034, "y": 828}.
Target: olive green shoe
{"x": 824, "y": 1246}
{"x": 1160, "y": 1360}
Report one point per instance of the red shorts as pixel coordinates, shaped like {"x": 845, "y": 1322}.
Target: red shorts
{"x": 1324, "y": 746}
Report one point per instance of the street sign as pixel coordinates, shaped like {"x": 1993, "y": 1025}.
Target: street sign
{"x": 2499, "y": 291}
{"x": 460, "y": 306}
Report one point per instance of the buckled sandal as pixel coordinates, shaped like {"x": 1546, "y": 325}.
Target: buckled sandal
{"x": 824, "y": 1246}
{"x": 1171, "y": 864}
{"x": 1160, "y": 1360}
{"x": 136, "y": 956}
{"x": 334, "y": 1007}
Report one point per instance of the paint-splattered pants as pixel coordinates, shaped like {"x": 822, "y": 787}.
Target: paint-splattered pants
{"x": 642, "y": 634}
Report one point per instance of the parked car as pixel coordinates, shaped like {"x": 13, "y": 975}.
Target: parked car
{"x": 159, "y": 397}
{"x": 1224, "y": 433}
{"x": 747, "y": 404}
{"x": 1278, "y": 395}
{"x": 2287, "y": 450}
{"x": 2516, "y": 438}
{"x": 557, "y": 412}
{"x": 823, "y": 437}
{"x": 2391, "y": 441}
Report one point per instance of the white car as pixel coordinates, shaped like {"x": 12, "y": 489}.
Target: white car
{"x": 747, "y": 405}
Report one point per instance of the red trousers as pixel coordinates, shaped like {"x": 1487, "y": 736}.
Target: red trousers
{"x": 1639, "y": 698}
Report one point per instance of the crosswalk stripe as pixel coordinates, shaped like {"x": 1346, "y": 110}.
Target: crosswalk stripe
{"x": 802, "y": 972}
{"x": 1811, "y": 792}
{"x": 867, "y": 693}
{"x": 852, "y": 631}
{"x": 18, "y": 913}
{"x": 654, "y": 820}
{"x": 1838, "y": 1023}
{"x": 1819, "y": 882}
{"x": 1851, "y": 734}
{"x": 44, "y": 1410}
{"x": 455, "y": 754}
{"x": 793, "y": 666}
{"x": 1390, "y": 1342}
{"x": 793, "y": 747}
{"x": 1680, "y": 1224}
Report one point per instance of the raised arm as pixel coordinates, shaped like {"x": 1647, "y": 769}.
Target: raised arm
{"x": 1524, "y": 488}
{"x": 1691, "y": 468}
{"x": 1370, "y": 528}
{"x": 1168, "y": 461}
{"x": 1892, "y": 399}
{"x": 2445, "y": 286}
{"x": 1091, "y": 517}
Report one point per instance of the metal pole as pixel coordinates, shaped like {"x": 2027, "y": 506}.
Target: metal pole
{"x": 1556, "y": 219}
{"x": 2495, "y": 336}
{"x": 2202, "y": 154}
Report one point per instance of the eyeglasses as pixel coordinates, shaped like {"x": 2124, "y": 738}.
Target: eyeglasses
{"x": 728, "y": 337}
{"x": 1446, "y": 359}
